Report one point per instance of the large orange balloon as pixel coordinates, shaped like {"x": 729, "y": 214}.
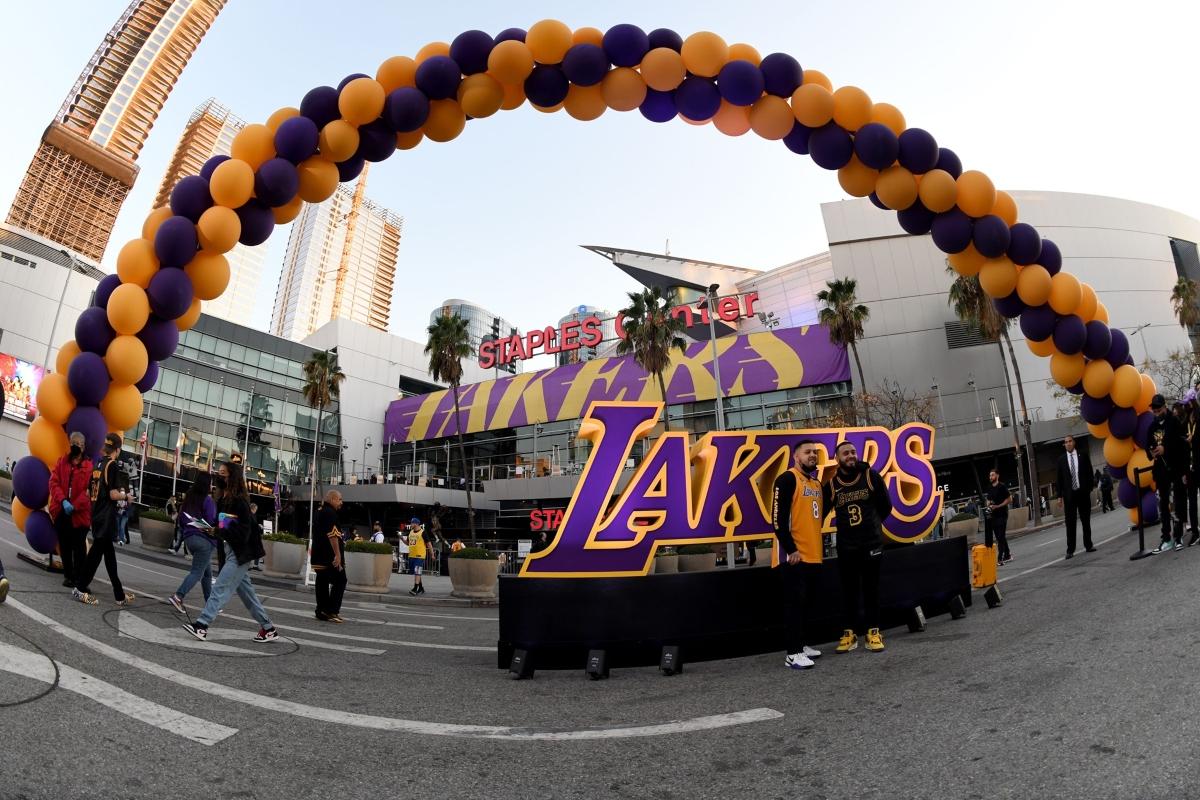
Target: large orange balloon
{"x": 47, "y": 441}
{"x": 66, "y": 354}
{"x": 126, "y": 360}
{"x": 397, "y": 72}
{"x": 744, "y": 52}
{"x": 704, "y": 54}
{"x": 253, "y": 144}
{"x": 128, "y": 309}
{"x": 976, "y": 193}
{"x": 1101, "y": 312}
{"x": 406, "y": 141}
{"x": 890, "y": 116}
{"x": 549, "y": 41}
{"x": 1118, "y": 451}
{"x": 851, "y": 108}
{"x": 857, "y": 179}
{"x": 232, "y": 183}
{"x": 54, "y": 399}
{"x": 480, "y": 95}
{"x": 585, "y": 103}
{"x": 998, "y": 277}
{"x": 20, "y": 513}
{"x": 289, "y": 211}
{"x": 818, "y": 77}
{"x": 1044, "y": 348}
{"x": 209, "y": 273}
{"x": 938, "y": 190}
{"x": 361, "y": 101}
{"x": 155, "y": 218}
{"x": 1087, "y": 303}
{"x": 588, "y": 36}
{"x": 432, "y": 49}
{"x": 1148, "y": 390}
{"x": 896, "y": 188}
{"x": 1139, "y": 460}
{"x": 446, "y": 120}
{"x": 514, "y": 96}
{"x": 1098, "y": 378}
{"x": 732, "y": 120}
{"x": 219, "y": 229}
{"x": 318, "y": 179}
{"x": 1100, "y": 431}
{"x": 812, "y": 104}
{"x": 122, "y": 407}
{"x": 1005, "y": 208}
{"x": 136, "y": 263}
{"x": 338, "y": 140}
{"x": 280, "y": 116}
{"x": 510, "y": 62}
{"x": 190, "y": 316}
{"x": 623, "y": 89}
{"x": 1065, "y": 293}
{"x": 1127, "y": 386}
{"x": 1033, "y": 285}
{"x": 771, "y": 118}
{"x": 968, "y": 262}
{"x": 1066, "y": 370}
{"x": 663, "y": 69}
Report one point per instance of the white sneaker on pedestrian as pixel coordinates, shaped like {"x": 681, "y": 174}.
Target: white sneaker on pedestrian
{"x": 798, "y": 661}
{"x": 810, "y": 652}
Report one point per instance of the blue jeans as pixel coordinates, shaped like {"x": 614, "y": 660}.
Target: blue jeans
{"x": 122, "y": 524}
{"x": 202, "y": 550}
{"x": 234, "y": 577}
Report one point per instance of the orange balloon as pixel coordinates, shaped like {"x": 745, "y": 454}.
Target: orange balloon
{"x": 896, "y": 188}
{"x": 998, "y": 277}
{"x": 20, "y": 513}
{"x": 1147, "y": 394}
{"x": 588, "y": 36}
{"x": 122, "y": 407}
{"x": 771, "y": 118}
{"x": 514, "y": 96}
{"x": 54, "y": 399}
{"x": 1127, "y": 386}
{"x": 338, "y": 140}
{"x": 280, "y": 116}
{"x": 361, "y": 101}
{"x": 155, "y": 218}
{"x": 585, "y": 103}
{"x": 1100, "y": 431}
{"x": 446, "y": 120}
{"x": 976, "y": 194}
{"x": 663, "y": 69}
{"x": 47, "y": 441}
{"x": 851, "y": 108}
{"x": 1033, "y": 285}
{"x": 232, "y": 183}
{"x": 128, "y": 309}
{"x": 126, "y": 360}
{"x": 1098, "y": 378}
{"x": 1067, "y": 370}
{"x": 732, "y": 120}
{"x": 432, "y": 49}
{"x": 407, "y": 141}
{"x": 547, "y": 109}
{"x": 289, "y": 211}
{"x": 744, "y": 52}
{"x": 209, "y": 273}
{"x": 510, "y": 62}
{"x": 938, "y": 190}
{"x": 623, "y": 89}
{"x": 1138, "y": 461}
{"x": 218, "y": 229}
{"x": 318, "y": 179}
{"x": 480, "y": 95}
{"x": 1065, "y": 293}
{"x": 1005, "y": 208}
{"x": 819, "y": 78}
{"x": 253, "y": 144}
{"x": 857, "y": 179}
{"x": 549, "y": 41}
{"x": 66, "y": 354}
{"x": 190, "y": 316}
{"x": 398, "y": 72}
{"x": 812, "y": 105}
{"x": 968, "y": 262}
{"x": 136, "y": 263}
{"x": 1118, "y": 451}
{"x": 704, "y": 54}
{"x": 1044, "y": 348}
{"x": 1087, "y": 303}
{"x": 890, "y": 116}
{"x": 1101, "y": 312}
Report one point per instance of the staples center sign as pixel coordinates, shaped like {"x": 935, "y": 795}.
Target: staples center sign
{"x": 587, "y": 332}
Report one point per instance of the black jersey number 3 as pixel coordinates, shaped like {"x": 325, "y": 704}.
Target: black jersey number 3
{"x": 855, "y": 514}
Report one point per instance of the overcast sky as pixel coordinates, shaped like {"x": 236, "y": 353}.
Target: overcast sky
{"x": 1096, "y": 97}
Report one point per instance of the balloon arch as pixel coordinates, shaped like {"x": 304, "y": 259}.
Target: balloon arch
{"x": 301, "y": 154}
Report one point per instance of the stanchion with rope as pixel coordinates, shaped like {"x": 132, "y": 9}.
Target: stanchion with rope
{"x": 1142, "y": 552}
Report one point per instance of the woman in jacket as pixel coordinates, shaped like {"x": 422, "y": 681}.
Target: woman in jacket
{"x": 71, "y": 507}
{"x": 196, "y": 523}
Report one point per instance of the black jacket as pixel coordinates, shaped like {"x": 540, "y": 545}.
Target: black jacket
{"x": 860, "y": 504}
{"x": 1086, "y": 476}
{"x": 325, "y": 543}
{"x": 1168, "y": 432}
{"x": 242, "y": 535}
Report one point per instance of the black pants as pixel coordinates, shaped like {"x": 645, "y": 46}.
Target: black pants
{"x": 1106, "y": 501}
{"x": 72, "y": 546}
{"x": 997, "y": 529}
{"x": 331, "y": 585}
{"x": 799, "y": 598}
{"x": 1078, "y": 505}
{"x": 1190, "y": 491}
{"x": 102, "y": 548}
{"x": 1172, "y": 504}
{"x": 859, "y": 571}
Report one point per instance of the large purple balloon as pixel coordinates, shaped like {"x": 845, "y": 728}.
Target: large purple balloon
{"x": 876, "y": 146}
{"x": 407, "y": 109}
{"x": 830, "y": 146}
{"x": 149, "y": 379}
{"x": 665, "y": 37}
{"x": 916, "y": 219}
{"x": 88, "y": 377}
{"x": 1025, "y": 244}
{"x": 875, "y": 201}
{"x": 170, "y": 294}
{"x": 296, "y": 139}
{"x": 40, "y": 532}
{"x": 1069, "y": 334}
{"x": 438, "y": 77}
{"x": 585, "y": 64}
{"x": 353, "y": 76}
{"x": 991, "y": 236}
{"x": 104, "y": 290}
{"x": 1141, "y": 434}
{"x": 782, "y": 74}
{"x": 321, "y": 106}
{"x": 175, "y": 242}
{"x": 512, "y": 34}
{"x": 257, "y": 222}
{"x": 277, "y": 182}
{"x": 918, "y": 151}
{"x": 1050, "y": 257}
{"x": 1127, "y": 493}
{"x": 470, "y": 50}
{"x": 1149, "y": 508}
{"x": 1076, "y": 389}
{"x": 1099, "y": 340}
{"x": 93, "y": 334}
{"x": 949, "y": 161}
{"x": 161, "y": 337}
{"x": 658, "y": 106}
{"x": 1116, "y": 472}
{"x": 351, "y": 168}
{"x": 625, "y": 44}
{"x": 1037, "y": 323}
{"x": 31, "y": 482}
{"x": 740, "y": 82}
{"x": 91, "y": 423}
{"x": 376, "y": 141}
{"x": 209, "y": 166}
{"x": 1122, "y": 422}
{"x": 1010, "y": 307}
{"x": 1095, "y": 410}
{"x": 190, "y": 198}
{"x": 546, "y": 86}
{"x": 797, "y": 139}
{"x": 951, "y": 231}
{"x": 1118, "y": 349}
{"x": 697, "y": 98}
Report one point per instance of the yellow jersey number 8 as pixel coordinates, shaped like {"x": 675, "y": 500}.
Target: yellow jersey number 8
{"x": 816, "y": 510}
{"x": 855, "y": 514}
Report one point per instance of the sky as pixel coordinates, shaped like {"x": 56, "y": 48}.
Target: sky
{"x": 1095, "y": 97}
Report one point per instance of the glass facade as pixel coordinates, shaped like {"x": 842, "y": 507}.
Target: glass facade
{"x": 482, "y": 326}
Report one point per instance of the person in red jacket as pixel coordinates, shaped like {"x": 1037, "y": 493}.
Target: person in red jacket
{"x": 71, "y": 507}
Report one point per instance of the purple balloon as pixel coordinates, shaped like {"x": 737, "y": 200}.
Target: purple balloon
{"x": 1011, "y": 307}
{"x": 658, "y": 106}
{"x": 797, "y": 139}
{"x": 91, "y": 423}
{"x": 257, "y": 222}
{"x": 207, "y": 170}
{"x": 277, "y": 182}
{"x": 546, "y": 86}
{"x": 1095, "y": 410}
{"x": 991, "y": 236}
{"x": 951, "y": 231}
{"x": 1116, "y": 472}
{"x": 1037, "y": 323}
{"x": 190, "y": 198}
{"x": 93, "y": 334}
{"x": 1141, "y": 434}
{"x": 511, "y": 34}
{"x": 1149, "y": 508}
{"x": 470, "y": 50}
{"x": 1122, "y": 422}
{"x": 296, "y": 139}
{"x": 1076, "y": 389}
{"x": 160, "y": 336}
{"x": 175, "y": 242}
{"x": 1118, "y": 348}
{"x": 949, "y": 161}
{"x": 697, "y": 98}
{"x": 1025, "y": 244}
{"x": 626, "y": 44}
{"x": 376, "y": 141}
{"x": 170, "y": 294}
{"x": 351, "y": 168}
{"x": 1127, "y": 493}
{"x": 1099, "y": 339}
{"x": 918, "y": 151}
{"x": 104, "y": 290}
{"x": 149, "y": 379}
{"x": 1069, "y": 334}
{"x": 1050, "y": 257}
{"x": 438, "y": 77}
{"x": 875, "y": 201}
{"x": 321, "y": 106}
{"x": 40, "y": 533}
{"x": 665, "y": 37}
{"x": 782, "y": 74}
{"x": 351, "y": 77}
{"x": 31, "y": 482}
{"x": 916, "y": 219}
{"x": 741, "y": 83}
{"x": 830, "y": 146}
{"x": 876, "y": 146}
{"x": 407, "y": 109}
{"x": 585, "y": 64}
{"x": 88, "y": 377}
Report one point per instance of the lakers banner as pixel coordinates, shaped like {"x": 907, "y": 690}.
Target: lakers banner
{"x": 714, "y": 491}
{"x": 749, "y": 364}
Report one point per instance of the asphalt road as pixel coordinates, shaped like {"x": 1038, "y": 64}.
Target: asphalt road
{"x": 1079, "y": 686}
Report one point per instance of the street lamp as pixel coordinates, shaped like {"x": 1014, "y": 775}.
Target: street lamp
{"x": 62, "y": 298}
{"x": 711, "y": 299}
{"x": 1145, "y": 350}
{"x": 941, "y": 405}
{"x": 366, "y": 447}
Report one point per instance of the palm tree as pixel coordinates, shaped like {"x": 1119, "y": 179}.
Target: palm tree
{"x": 844, "y": 316}
{"x": 651, "y": 333}
{"x": 1185, "y": 300}
{"x": 322, "y": 385}
{"x": 449, "y": 343}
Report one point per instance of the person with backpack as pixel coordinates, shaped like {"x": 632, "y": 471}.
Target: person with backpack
{"x": 108, "y": 487}
{"x": 197, "y": 518}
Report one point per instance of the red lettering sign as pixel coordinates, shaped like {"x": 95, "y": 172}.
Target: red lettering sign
{"x": 547, "y": 520}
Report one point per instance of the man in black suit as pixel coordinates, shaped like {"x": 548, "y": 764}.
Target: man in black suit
{"x": 1169, "y": 449}
{"x": 1075, "y": 493}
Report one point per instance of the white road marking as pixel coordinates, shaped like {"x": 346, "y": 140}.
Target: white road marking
{"x": 1057, "y": 560}
{"x": 309, "y": 614}
{"x": 35, "y": 666}
{"x": 393, "y": 724}
{"x": 228, "y": 635}
{"x": 134, "y": 627}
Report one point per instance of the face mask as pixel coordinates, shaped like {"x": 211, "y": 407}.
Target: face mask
{"x": 219, "y": 483}
{"x": 76, "y": 451}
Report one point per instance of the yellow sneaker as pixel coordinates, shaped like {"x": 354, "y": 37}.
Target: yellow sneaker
{"x": 848, "y": 642}
{"x": 875, "y": 640}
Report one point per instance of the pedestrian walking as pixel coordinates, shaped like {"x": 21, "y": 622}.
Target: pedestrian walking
{"x": 1170, "y": 452}
{"x": 998, "y": 500}
{"x": 860, "y": 502}
{"x": 416, "y": 554}
{"x": 1189, "y": 420}
{"x": 197, "y": 520}
{"x": 1106, "y": 491}
{"x": 1075, "y": 493}
{"x": 328, "y": 559}
{"x": 797, "y": 513}
{"x": 242, "y": 545}
{"x": 71, "y": 507}
{"x": 258, "y": 526}
{"x": 377, "y": 534}
{"x": 109, "y": 486}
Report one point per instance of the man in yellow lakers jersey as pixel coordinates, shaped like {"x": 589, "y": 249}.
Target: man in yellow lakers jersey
{"x": 797, "y": 512}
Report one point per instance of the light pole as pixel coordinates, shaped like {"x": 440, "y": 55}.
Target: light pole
{"x": 1139, "y": 330}
{"x": 62, "y": 298}
{"x": 711, "y": 299}
{"x": 536, "y": 430}
{"x": 978, "y": 407}
{"x": 366, "y": 447}
{"x": 941, "y": 406}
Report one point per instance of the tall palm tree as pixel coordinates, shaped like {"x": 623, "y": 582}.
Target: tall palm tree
{"x": 844, "y": 316}
{"x": 449, "y": 343}
{"x": 1185, "y": 300}
{"x": 322, "y": 385}
{"x": 651, "y": 333}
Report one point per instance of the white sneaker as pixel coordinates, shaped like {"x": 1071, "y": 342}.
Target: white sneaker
{"x": 810, "y": 652}
{"x": 798, "y": 661}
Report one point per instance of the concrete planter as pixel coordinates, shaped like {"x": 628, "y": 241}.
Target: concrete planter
{"x": 156, "y": 534}
{"x": 967, "y": 527}
{"x": 6, "y": 489}
{"x": 666, "y": 565}
{"x": 368, "y": 572}
{"x": 283, "y": 560}
{"x": 699, "y": 562}
{"x": 474, "y": 577}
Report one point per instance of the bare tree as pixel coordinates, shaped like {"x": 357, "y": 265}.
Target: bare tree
{"x": 893, "y": 405}
{"x": 1173, "y": 374}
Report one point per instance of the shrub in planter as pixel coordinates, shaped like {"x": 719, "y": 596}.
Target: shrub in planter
{"x": 963, "y": 516}
{"x": 696, "y": 558}
{"x": 368, "y": 566}
{"x": 157, "y": 529}
{"x": 285, "y": 537}
{"x": 156, "y": 514}
{"x": 963, "y": 524}
{"x": 666, "y": 561}
{"x": 284, "y": 555}
{"x": 476, "y": 553}
{"x": 473, "y": 573}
